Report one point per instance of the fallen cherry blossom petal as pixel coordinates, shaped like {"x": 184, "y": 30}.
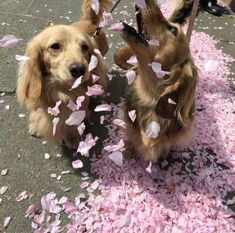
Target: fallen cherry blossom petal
{"x": 77, "y": 82}
{"x": 95, "y": 78}
{"x": 116, "y": 157}
{"x": 76, "y": 118}
{"x": 211, "y": 65}
{"x": 132, "y": 115}
{"x": 81, "y": 128}
{"x": 72, "y": 106}
{"x": 130, "y": 75}
{"x": 77, "y": 164}
{"x": 118, "y": 147}
{"x": 85, "y": 146}
{"x": 93, "y": 63}
{"x": 31, "y": 211}
{"x": 120, "y": 123}
{"x": 107, "y": 17}
{"x": 171, "y": 101}
{"x": 55, "y": 110}
{"x": 55, "y": 122}
{"x": 154, "y": 42}
{"x": 9, "y": 41}
{"x": 132, "y": 60}
{"x": 4, "y": 172}
{"x": 7, "y": 221}
{"x": 3, "y": 189}
{"x": 102, "y": 120}
{"x": 94, "y": 90}
{"x": 153, "y": 130}
{"x": 22, "y": 196}
{"x": 103, "y": 108}
{"x": 149, "y": 168}
{"x": 141, "y": 3}
{"x": 117, "y": 26}
{"x": 21, "y": 58}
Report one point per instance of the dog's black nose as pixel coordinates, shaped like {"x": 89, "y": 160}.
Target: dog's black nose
{"x": 77, "y": 69}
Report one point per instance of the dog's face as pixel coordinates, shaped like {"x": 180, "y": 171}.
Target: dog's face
{"x": 57, "y": 56}
{"x": 173, "y": 54}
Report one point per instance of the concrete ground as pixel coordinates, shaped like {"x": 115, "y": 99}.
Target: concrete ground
{"x": 22, "y": 154}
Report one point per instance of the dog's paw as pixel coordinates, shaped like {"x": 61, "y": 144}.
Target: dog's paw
{"x": 33, "y": 131}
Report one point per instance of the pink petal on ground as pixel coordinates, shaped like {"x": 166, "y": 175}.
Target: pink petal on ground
{"x": 130, "y": 75}
{"x": 154, "y": 42}
{"x": 31, "y": 211}
{"x": 119, "y": 123}
{"x": 117, "y": 158}
{"x": 85, "y": 146}
{"x": 117, "y": 26}
{"x": 141, "y": 3}
{"x": 55, "y": 110}
{"x": 152, "y": 130}
{"x": 21, "y": 58}
{"x": 77, "y": 82}
{"x": 97, "y": 51}
{"x": 93, "y": 63}
{"x": 124, "y": 221}
{"x": 95, "y": 5}
{"x": 211, "y": 65}
{"x": 94, "y": 90}
{"x": 8, "y": 41}
{"x": 3, "y": 189}
{"x": 76, "y": 118}
{"x": 77, "y": 164}
{"x": 132, "y": 115}
{"x": 103, "y": 108}
{"x": 149, "y": 168}
{"x": 55, "y": 122}
{"x": 22, "y": 196}
{"x": 39, "y": 218}
{"x": 6, "y": 221}
{"x": 132, "y": 60}
{"x": 118, "y": 147}
{"x": 110, "y": 77}
{"x": 95, "y": 185}
{"x": 157, "y": 68}
{"x": 95, "y": 78}
{"x": 171, "y": 101}
{"x": 81, "y": 128}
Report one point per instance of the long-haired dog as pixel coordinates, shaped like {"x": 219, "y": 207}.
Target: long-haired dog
{"x": 163, "y": 92}
{"x": 58, "y": 56}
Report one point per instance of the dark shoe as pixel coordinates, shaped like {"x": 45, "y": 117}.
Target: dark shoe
{"x": 214, "y": 9}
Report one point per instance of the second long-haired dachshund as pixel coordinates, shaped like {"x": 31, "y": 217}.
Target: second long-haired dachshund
{"x": 163, "y": 93}
{"x": 57, "y": 57}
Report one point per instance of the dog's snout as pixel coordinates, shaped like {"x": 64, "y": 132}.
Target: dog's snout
{"x": 77, "y": 69}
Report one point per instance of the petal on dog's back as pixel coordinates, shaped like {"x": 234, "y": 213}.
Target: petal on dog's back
{"x": 76, "y": 118}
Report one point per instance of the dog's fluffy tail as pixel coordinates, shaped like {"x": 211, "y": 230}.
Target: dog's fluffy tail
{"x": 93, "y": 10}
{"x": 182, "y": 10}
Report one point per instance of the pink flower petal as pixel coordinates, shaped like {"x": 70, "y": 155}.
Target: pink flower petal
{"x": 124, "y": 221}
{"x": 107, "y": 17}
{"x": 72, "y": 106}
{"x": 4, "y": 172}
{"x": 31, "y": 211}
{"x": 93, "y": 63}
{"x": 132, "y": 115}
{"x": 55, "y": 122}
{"x": 211, "y": 65}
{"x": 85, "y": 146}
{"x": 119, "y": 123}
{"x": 22, "y": 196}
{"x": 118, "y": 147}
{"x": 117, "y": 26}
{"x": 76, "y": 118}
{"x": 80, "y": 100}
{"x": 6, "y": 222}
{"x": 102, "y": 120}
{"x": 9, "y": 41}
{"x": 55, "y": 110}
{"x": 116, "y": 157}
{"x": 3, "y": 189}
{"x": 77, "y": 164}
{"x": 21, "y": 58}
{"x": 103, "y": 108}
{"x": 141, "y": 3}
{"x": 130, "y": 75}
{"x": 94, "y": 90}
{"x": 170, "y": 101}
{"x": 152, "y": 130}
{"x": 154, "y": 42}
{"x": 77, "y": 82}
{"x": 149, "y": 168}
{"x": 95, "y": 78}
{"x": 132, "y": 60}
{"x": 81, "y": 128}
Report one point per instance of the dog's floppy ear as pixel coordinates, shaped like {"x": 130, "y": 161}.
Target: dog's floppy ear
{"x": 30, "y": 73}
{"x": 177, "y": 101}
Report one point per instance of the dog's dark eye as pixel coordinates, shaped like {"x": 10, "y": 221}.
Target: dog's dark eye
{"x": 172, "y": 29}
{"x": 55, "y": 46}
{"x": 84, "y": 47}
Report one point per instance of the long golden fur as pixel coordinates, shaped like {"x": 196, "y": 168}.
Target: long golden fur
{"x": 57, "y": 56}
{"x": 151, "y": 96}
